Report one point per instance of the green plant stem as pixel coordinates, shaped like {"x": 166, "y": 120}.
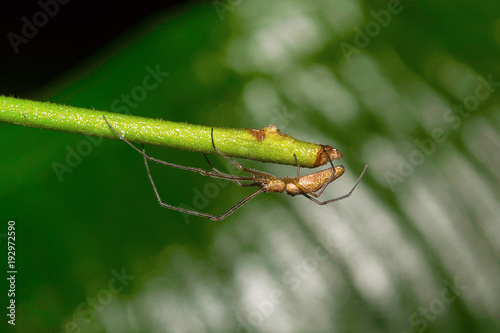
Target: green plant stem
{"x": 243, "y": 143}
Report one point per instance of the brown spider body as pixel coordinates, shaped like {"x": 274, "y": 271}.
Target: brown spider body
{"x": 300, "y": 185}
{"x": 314, "y": 181}
{"x": 311, "y": 186}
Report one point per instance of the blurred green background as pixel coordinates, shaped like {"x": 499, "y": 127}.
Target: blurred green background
{"x": 399, "y": 85}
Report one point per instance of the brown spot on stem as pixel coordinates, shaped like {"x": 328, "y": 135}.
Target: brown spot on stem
{"x": 258, "y": 134}
{"x": 322, "y": 157}
{"x": 269, "y": 130}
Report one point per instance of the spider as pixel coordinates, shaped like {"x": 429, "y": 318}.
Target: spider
{"x": 311, "y": 186}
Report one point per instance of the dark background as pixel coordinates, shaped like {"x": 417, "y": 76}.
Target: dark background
{"x": 68, "y": 39}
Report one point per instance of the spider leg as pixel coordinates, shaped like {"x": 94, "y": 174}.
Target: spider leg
{"x": 210, "y": 164}
{"x": 301, "y": 187}
{"x": 342, "y": 196}
{"x": 305, "y": 190}
{"x": 192, "y": 212}
{"x": 323, "y": 188}
{"x": 239, "y": 166}
{"x": 220, "y": 173}
{"x": 152, "y": 158}
{"x": 298, "y": 166}
{"x": 216, "y": 174}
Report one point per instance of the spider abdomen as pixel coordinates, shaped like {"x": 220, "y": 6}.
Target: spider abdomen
{"x": 312, "y": 182}
{"x": 275, "y": 185}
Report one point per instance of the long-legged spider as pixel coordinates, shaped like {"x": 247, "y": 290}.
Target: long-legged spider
{"x": 311, "y": 186}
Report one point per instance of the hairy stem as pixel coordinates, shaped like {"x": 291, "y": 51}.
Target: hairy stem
{"x": 266, "y": 145}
